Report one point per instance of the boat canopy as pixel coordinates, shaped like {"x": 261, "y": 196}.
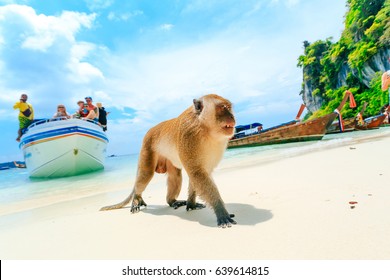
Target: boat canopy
{"x": 247, "y": 126}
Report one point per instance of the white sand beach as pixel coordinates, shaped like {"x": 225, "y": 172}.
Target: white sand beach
{"x": 295, "y": 208}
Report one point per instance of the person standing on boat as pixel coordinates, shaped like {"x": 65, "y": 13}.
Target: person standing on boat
{"x": 92, "y": 107}
{"x": 102, "y": 115}
{"x": 26, "y": 114}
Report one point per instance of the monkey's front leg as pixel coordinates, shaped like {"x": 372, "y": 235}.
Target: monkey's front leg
{"x": 204, "y": 185}
{"x": 224, "y": 219}
{"x": 190, "y": 205}
{"x": 191, "y": 201}
{"x": 174, "y": 182}
{"x": 177, "y": 203}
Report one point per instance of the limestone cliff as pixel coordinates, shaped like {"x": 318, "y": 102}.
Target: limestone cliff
{"x": 356, "y": 62}
{"x": 380, "y": 62}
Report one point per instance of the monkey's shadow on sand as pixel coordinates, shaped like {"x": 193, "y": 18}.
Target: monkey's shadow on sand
{"x": 245, "y": 214}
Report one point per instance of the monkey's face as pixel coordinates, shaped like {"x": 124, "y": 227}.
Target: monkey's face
{"x": 225, "y": 118}
{"x": 216, "y": 113}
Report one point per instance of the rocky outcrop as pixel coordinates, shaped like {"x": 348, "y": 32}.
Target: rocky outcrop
{"x": 380, "y": 62}
{"x": 342, "y": 75}
{"x": 312, "y": 102}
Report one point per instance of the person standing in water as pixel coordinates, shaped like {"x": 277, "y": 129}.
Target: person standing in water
{"x": 26, "y": 114}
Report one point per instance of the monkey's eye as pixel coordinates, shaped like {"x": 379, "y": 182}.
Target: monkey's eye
{"x": 224, "y": 106}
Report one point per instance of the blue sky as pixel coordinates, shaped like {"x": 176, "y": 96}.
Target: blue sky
{"x": 145, "y": 60}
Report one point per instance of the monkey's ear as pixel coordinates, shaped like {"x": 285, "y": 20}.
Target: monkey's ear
{"x": 198, "y": 105}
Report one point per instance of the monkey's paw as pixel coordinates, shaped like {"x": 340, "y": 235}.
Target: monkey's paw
{"x": 178, "y": 203}
{"x": 226, "y": 221}
{"x": 195, "y": 206}
{"x": 136, "y": 204}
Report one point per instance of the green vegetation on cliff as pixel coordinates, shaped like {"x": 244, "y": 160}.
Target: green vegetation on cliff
{"x": 329, "y": 68}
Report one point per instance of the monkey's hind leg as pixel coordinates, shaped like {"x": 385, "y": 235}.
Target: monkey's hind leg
{"x": 138, "y": 201}
{"x": 144, "y": 176}
{"x": 146, "y": 167}
{"x": 174, "y": 182}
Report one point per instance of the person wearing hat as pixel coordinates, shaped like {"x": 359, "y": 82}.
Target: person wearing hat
{"x": 82, "y": 112}
{"x": 102, "y": 115}
{"x": 26, "y": 114}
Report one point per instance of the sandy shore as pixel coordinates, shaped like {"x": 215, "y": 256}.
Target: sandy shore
{"x": 295, "y": 208}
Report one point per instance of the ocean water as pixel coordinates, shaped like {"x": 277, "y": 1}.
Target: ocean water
{"x": 19, "y": 192}
{"x": 17, "y": 188}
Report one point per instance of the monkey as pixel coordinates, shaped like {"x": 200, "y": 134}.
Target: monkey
{"x": 194, "y": 141}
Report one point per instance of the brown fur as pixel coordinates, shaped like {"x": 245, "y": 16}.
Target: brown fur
{"x": 195, "y": 141}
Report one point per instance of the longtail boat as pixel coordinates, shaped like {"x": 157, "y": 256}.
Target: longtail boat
{"x": 347, "y": 124}
{"x": 297, "y": 132}
{"x": 357, "y": 123}
{"x": 371, "y": 122}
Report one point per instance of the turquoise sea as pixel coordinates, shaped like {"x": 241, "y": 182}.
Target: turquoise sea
{"x": 17, "y": 189}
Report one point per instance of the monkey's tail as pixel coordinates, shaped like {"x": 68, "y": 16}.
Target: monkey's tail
{"x": 120, "y": 204}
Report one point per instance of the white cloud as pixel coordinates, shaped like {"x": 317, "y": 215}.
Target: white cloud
{"x": 79, "y": 71}
{"x": 102, "y": 96}
{"x": 115, "y": 16}
{"x": 39, "y": 32}
{"x": 41, "y": 55}
{"x": 166, "y": 27}
{"x": 165, "y": 82}
{"x": 83, "y": 72}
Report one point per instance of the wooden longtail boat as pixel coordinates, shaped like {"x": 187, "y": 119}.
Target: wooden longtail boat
{"x": 358, "y": 123}
{"x": 297, "y": 132}
{"x": 371, "y": 123}
{"x": 348, "y": 124}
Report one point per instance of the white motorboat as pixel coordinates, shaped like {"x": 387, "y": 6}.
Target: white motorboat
{"x": 63, "y": 147}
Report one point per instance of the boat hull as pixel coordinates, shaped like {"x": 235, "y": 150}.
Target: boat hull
{"x": 349, "y": 125}
{"x": 299, "y": 132}
{"x": 371, "y": 123}
{"x": 64, "y": 148}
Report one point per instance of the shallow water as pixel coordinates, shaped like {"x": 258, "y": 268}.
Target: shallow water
{"x": 17, "y": 188}
{"x": 16, "y": 185}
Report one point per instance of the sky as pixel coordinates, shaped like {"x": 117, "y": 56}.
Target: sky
{"x": 146, "y": 60}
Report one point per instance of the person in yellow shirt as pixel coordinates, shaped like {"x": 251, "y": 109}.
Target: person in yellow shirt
{"x": 26, "y": 114}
